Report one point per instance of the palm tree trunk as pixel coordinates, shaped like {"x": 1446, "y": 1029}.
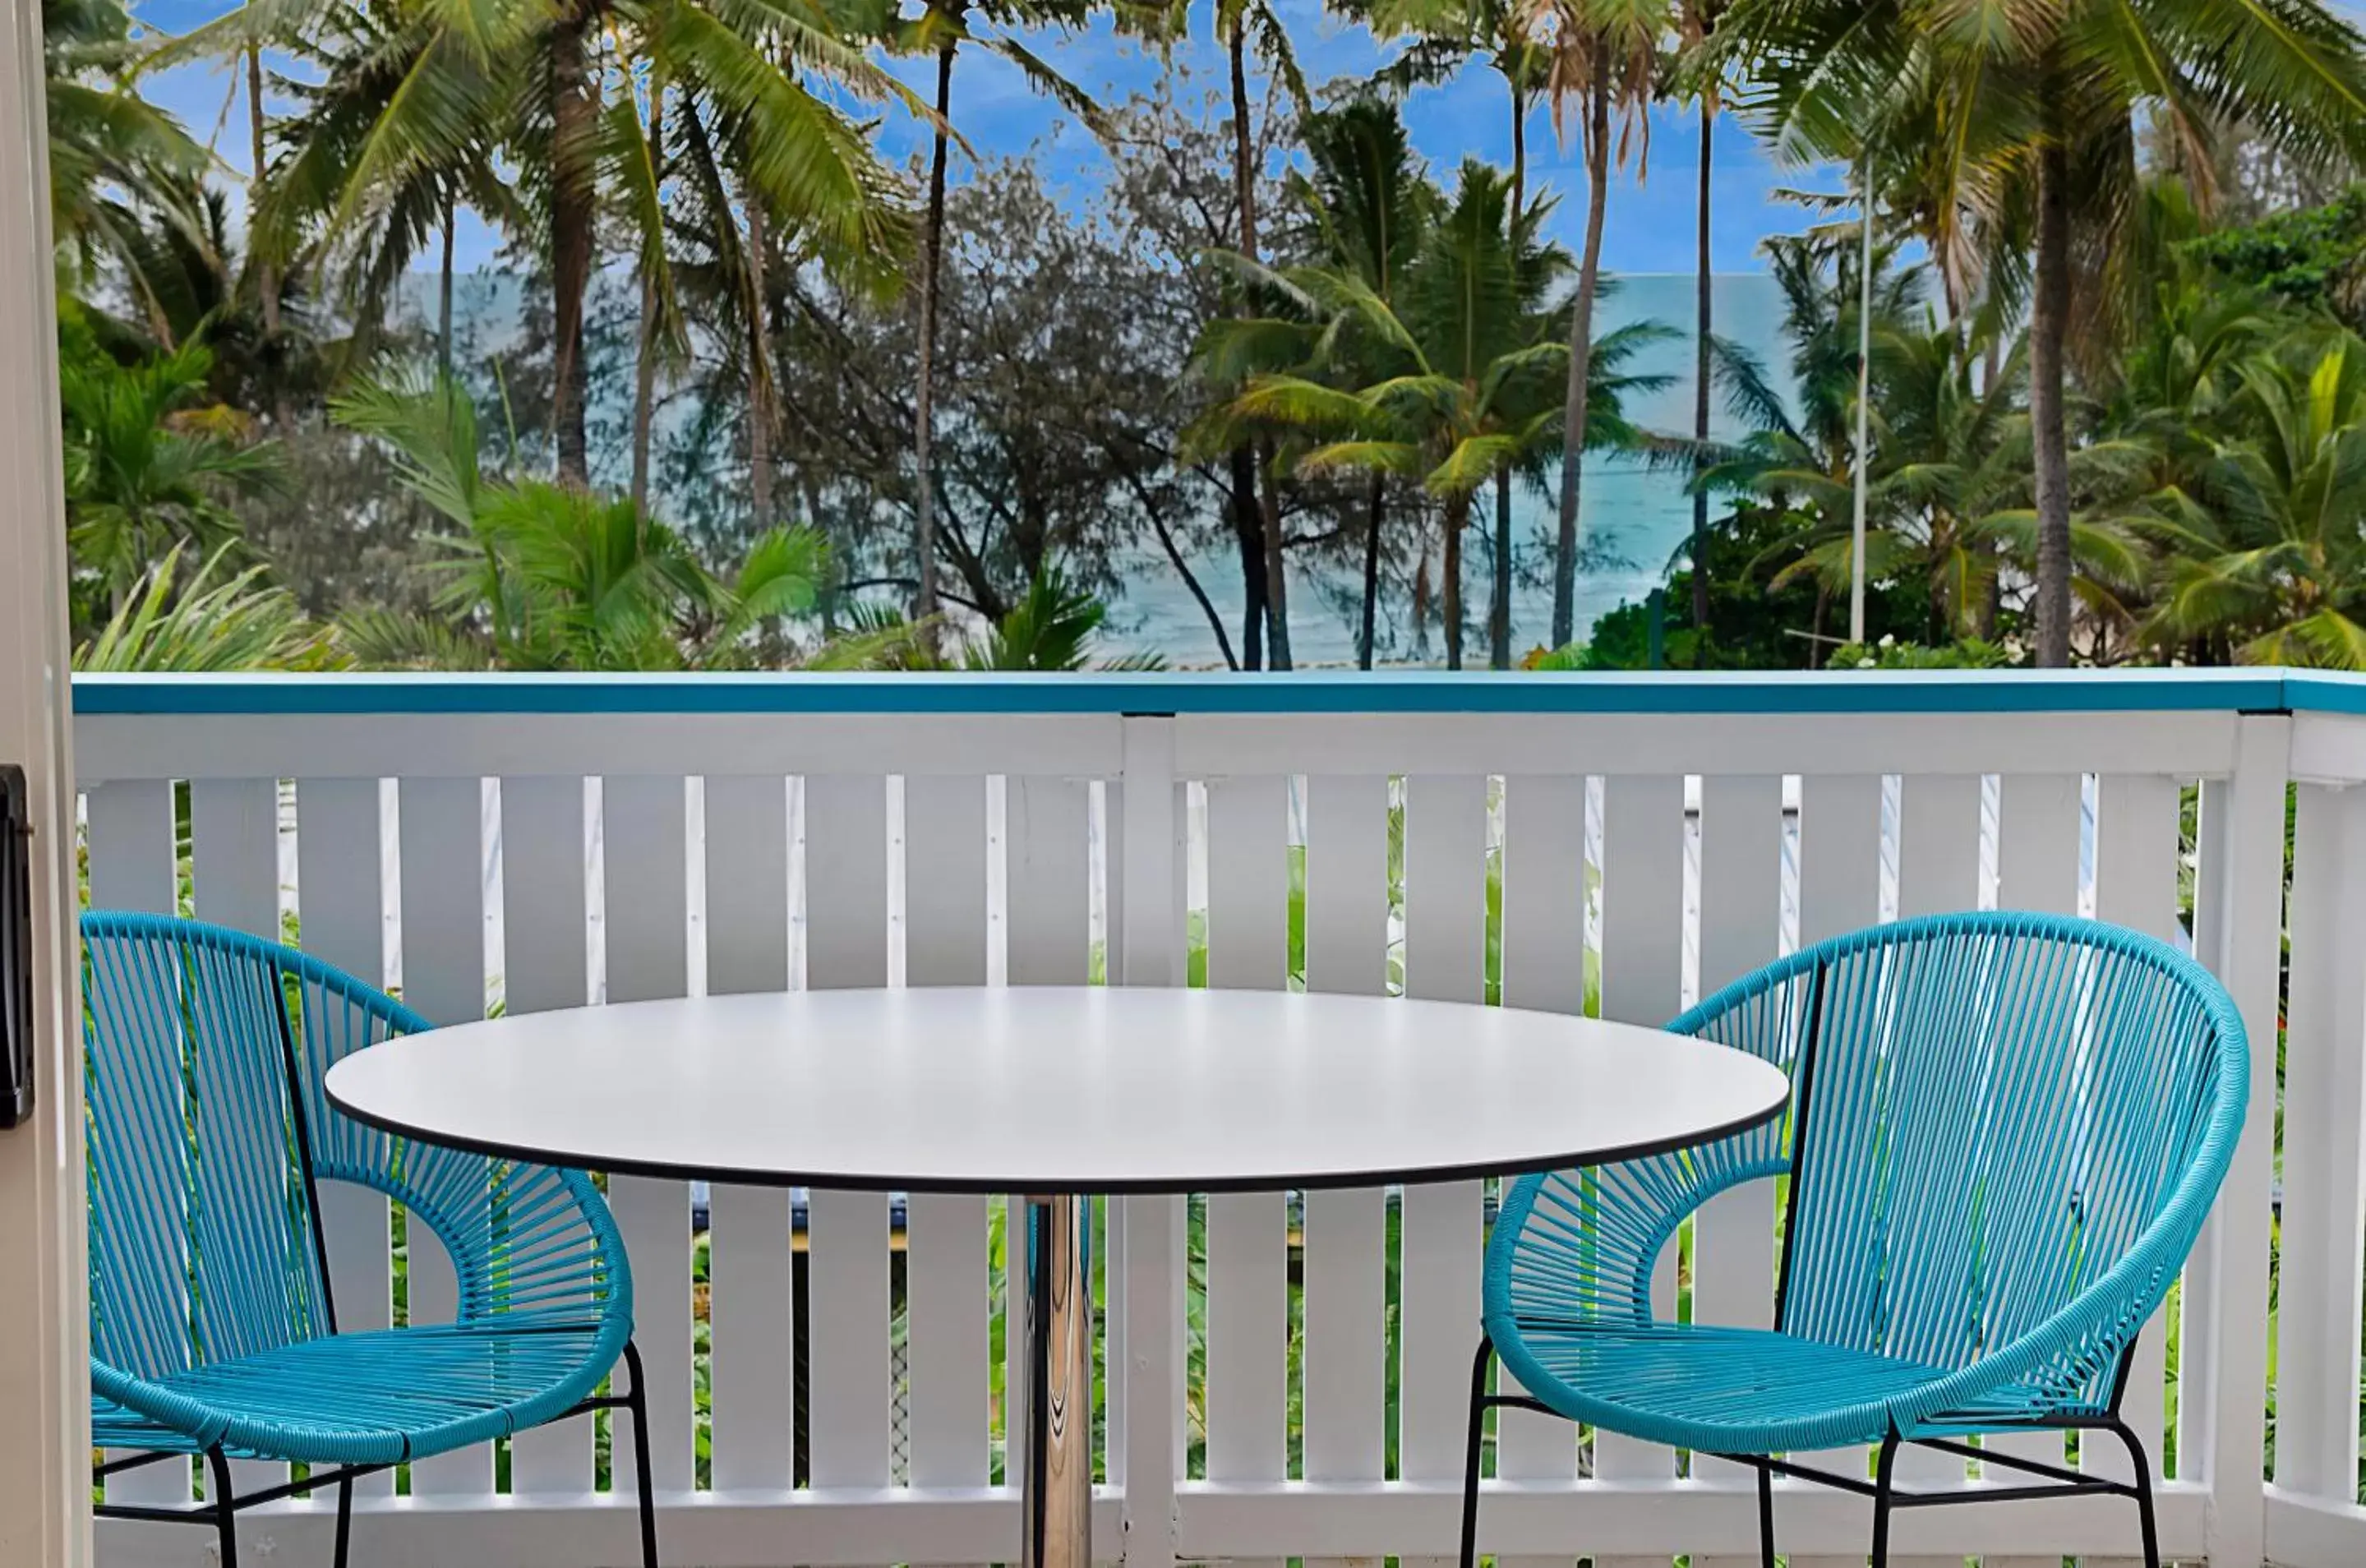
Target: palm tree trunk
{"x": 932, "y": 238}
{"x": 574, "y": 119}
{"x": 644, "y": 364}
{"x": 1458, "y": 515}
{"x": 2048, "y": 328}
{"x": 1499, "y": 614}
{"x": 1374, "y": 513}
{"x": 267, "y": 272}
{"x": 444, "y": 294}
{"x": 1245, "y": 172}
{"x": 1249, "y": 532}
{"x": 760, "y": 378}
{"x": 1581, "y": 353}
{"x": 1702, "y": 324}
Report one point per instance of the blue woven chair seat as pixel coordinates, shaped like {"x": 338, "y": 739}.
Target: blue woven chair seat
{"x": 371, "y": 1398}
{"x": 1741, "y": 1390}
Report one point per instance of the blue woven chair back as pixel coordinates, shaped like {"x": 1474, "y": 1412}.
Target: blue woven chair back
{"x": 1991, "y": 1113}
{"x": 207, "y": 1053}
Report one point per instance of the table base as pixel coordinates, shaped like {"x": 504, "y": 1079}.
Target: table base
{"x": 1056, "y": 1489}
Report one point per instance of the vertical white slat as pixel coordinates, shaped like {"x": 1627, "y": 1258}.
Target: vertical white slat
{"x": 442, "y": 851}
{"x": 130, "y": 837}
{"x": 1145, "y": 1447}
{"x": 1741, "y": 931}
{"x": 1047, "y": 849}
{"x": 340, "y": 890}
{"x": 2324, "y": 1195}
{"x": 948, "y": 1288}
{"x": 1544, "y": 967}
{"x": 2222, "y": 1347}
{"x": 1938, "y": 872}
{"x": 1344, "y": 1365}
{"x": 545, "y": 964}
{"x": 1642, "y": 982}
{"x": 2135, "y": 885}
{"x": 643, "y": 819}
{"x": 1839, "y": 892}
{"x": 1446, "y": 934}
{"x": 1248, "y": 1232}
{"x": 1047, "y": 854}
{"x": 852, "y": 1385}
{"x": 2037, "y": 869}
{"x": 750, "y": 1267}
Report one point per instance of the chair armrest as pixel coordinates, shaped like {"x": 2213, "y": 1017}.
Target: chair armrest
{"x": 1582, "y": 1244}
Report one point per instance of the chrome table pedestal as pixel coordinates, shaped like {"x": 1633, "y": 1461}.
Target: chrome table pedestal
{"x": 1056, "y": 1488}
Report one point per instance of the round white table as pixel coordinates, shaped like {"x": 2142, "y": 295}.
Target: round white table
{"x": 1057, "y": 1093}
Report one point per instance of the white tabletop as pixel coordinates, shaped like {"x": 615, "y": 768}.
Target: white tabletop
{"x": 1057, "y": 1089}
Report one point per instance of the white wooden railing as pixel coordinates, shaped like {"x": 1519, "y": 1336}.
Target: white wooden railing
{"x": 545, "y": 842}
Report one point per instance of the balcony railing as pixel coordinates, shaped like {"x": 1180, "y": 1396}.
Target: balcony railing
{"x": 1285, "y": 1378}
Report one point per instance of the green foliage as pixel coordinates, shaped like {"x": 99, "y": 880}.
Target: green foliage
{"x": 543, "y": 576}
{"x": 214, "y": 620}
{"x": 150, "y": 466}
{"x": 2316, "y": 257}
{"x": 1970, "y": 653}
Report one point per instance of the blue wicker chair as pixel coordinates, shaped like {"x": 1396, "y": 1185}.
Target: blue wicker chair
{"x": 213, "y": 1329}
{"x": 2005, "y": 1132}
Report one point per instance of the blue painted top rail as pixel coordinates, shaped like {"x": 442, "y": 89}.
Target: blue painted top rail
{"x": 1308, "y": 691}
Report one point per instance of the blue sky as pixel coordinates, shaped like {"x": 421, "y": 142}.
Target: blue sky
{"x": 1650, "y": 223}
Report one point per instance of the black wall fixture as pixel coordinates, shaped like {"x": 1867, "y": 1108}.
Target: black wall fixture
{"x": 15, "y": 949}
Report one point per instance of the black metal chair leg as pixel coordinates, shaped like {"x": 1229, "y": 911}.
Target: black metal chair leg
{"x": 1472, "y": 1452}
{"x": 1765, "y": 1517}
{"x": 225, "y": 1517}
{"x": 2142, "y": 1466}
{"x": 639, "y": 1410}
{"x": 345, "y": 1519}
{"x": 1881, "y": 1483}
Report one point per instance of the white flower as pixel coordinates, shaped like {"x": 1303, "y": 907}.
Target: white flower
{"x": 1888, "y": 640}
{"x": 1867, "y": 663}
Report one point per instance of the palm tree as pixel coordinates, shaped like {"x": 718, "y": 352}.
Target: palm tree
{"x": 149, "y": 464}
{"x": 1445, "y": 34}
{"x": 1252, "y": 461}
{"x": 2034, "y": 104}
{"x": 1367, "y": 209}
{"x": 1606, "y": 56}
{"x": 113, "y": 155}
{"x": 1467, "y": 372}
{"x": 2267, "y": 561}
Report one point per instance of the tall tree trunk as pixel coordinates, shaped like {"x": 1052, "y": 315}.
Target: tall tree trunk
{"x": 1499, "y": 614}
{"x": 932, "y": 239}
{"x": 1244, "y": 173}
{"x": 2048, "y": 327}
{"x": 644, "y": 364}
{"x": 1703, "y": 321}
{"x": 443, "y": 293}
{"x": 1249, "y": 532}
{"x": 1458, "y": 516}
{"x": 1580, "y": 352}
{"x": 267, "y": 271}
{"x": 1374, "y": 513}
{"x": 761, "y": 415}
{"x": 574, "y": 121}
